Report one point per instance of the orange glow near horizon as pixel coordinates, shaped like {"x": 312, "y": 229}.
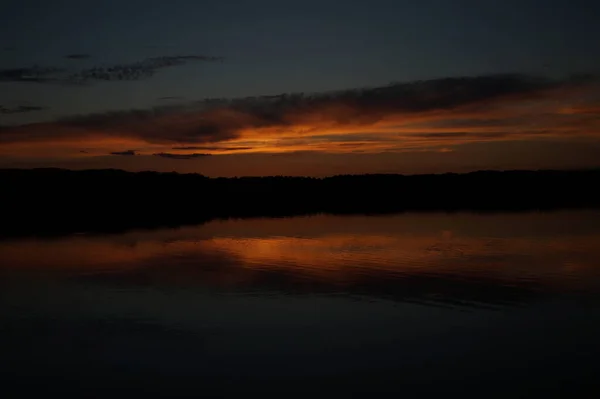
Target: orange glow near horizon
{"x": 561, "y": 114}
{"x": 395, "y": 134}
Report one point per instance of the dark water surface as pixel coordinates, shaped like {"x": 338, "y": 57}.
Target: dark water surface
{"x": 420, "y": 305}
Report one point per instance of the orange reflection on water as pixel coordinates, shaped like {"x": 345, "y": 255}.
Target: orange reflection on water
{"x": 527, "y": 247}
{"x": 343, "y": 257}
{"x": 81, "y": 253}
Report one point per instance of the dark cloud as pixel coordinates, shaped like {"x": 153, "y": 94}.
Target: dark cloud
{"x": 302, "y": 115}
{"x": 170, "y": 98}
{"x": 454, "y": 135}
{"x": 212, "y": 148}
{"x": 444, "y": 135}
{"x": 164, "y": 124}
{"x": 214, "y": 120}
{"x": 78, "y": 56}
{"x": 35, "y": 74}
{"x": 332, "y": 138}
{"x": 124, "y": 153}
{"x": 497, "y": 122}
{"x": 119, "y": 72}
{"x": 20, "y": 109}
{"x": 137, "y": 70}
{"x": 180, "y": 156}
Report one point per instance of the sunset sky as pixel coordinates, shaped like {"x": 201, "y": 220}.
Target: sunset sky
{"x": 300, "y": 88}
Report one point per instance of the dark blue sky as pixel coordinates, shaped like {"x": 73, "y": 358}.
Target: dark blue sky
{"x": 271, "y": 47}
{"x": 277, "y": 46}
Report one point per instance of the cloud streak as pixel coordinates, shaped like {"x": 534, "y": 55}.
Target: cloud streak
{"x": 137, "y": 70}
{"x": 77, "y": 56}
{"x": 413, "y": 116}
{"x": 35, "y": 74}
{"x": 118, "y": 72}
{"x": 170, "y": 98}
{"x": 127, "y": 153}
{"x": 20, "y": 109}
{"x": 211, "y": 148}
{"x": 181, "y": 156}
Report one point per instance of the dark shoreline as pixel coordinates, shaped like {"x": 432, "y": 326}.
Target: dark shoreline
{"x": 57, "y": 201}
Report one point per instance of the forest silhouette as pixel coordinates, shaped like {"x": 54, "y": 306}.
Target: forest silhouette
{"x": 58, "y": 201}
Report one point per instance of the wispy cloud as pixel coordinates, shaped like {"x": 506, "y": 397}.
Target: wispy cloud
{"x": 20, "y": 109}
{"x": 211, "y": 148}
{"x": 137, "y": 70}
{"x": 78, "y": 56}
{"x": 124, "y": 153}
{"x": 180, "y": 156}
{"x": 117, "y": 72}
{"x": 34, "y": 74}
{"x": 411, "y": 116}
{"x": 170, "y": 98}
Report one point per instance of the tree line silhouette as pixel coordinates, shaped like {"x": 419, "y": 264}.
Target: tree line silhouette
{"x": 56, "y": 201}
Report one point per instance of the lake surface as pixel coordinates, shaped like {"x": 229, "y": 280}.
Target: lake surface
{"x": 481, "y": 305}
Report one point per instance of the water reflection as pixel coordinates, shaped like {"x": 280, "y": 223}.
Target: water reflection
{"x": 458, "y": 260}
{"x": 421, "y": 305}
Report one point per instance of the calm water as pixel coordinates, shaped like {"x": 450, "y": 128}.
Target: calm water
{"x": 502, "y": 305}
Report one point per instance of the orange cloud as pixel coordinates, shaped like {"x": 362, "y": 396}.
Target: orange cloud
{"x": 419, "y": 116}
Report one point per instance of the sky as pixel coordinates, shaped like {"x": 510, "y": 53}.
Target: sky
{"x": 231, "y": 88}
